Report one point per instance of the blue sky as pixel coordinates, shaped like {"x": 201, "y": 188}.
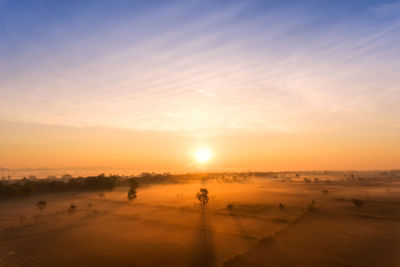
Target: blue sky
{"x": 193, "y": 66}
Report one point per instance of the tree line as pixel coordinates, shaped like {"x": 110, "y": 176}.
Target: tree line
{"x": 27, "y": 187}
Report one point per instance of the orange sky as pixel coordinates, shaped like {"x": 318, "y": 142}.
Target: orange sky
{"x": 38, "y": 145}
{"x": 266, "y": 85}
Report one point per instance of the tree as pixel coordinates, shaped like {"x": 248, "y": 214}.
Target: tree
{"x": 281, "y": 206}
{"x": 202, "y": 196}
{"x": 311, "y": 206}
{"x": 230, "y": 207}
{"x": 72, "y": 209}
{"x": 41, "y": 205}
{"x": 132, "y": 193}
{"x": 358, "y": 203}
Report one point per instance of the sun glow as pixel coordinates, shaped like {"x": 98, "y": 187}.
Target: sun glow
{"x": 202, "y": 155}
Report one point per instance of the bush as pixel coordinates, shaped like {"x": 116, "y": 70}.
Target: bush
{"x": 41, "y": 205}
{"x": 358, "y": 203}
{"x": 72, "y": 209}
{"x": 311, "y": 206}
{"x": 281, "y": 206}
{"x": 230, "y": 207}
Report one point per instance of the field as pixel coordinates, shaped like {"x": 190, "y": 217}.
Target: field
{"x": 166, "y": 226}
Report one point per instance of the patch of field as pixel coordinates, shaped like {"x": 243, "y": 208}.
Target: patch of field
{"x": 165, "y": 226}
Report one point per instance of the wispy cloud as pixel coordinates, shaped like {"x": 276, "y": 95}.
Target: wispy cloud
{"x": 202, "y": 67}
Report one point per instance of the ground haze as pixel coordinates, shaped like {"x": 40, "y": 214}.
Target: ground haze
{"x": 270, "y": 221}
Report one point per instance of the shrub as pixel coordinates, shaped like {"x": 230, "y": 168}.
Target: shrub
{"x": 72, "y": 209}
{"x": 230, "y": 207}
{"x": 41, "y": 205}
{"x": 325, "y": 191}
{"x": 358, "y": 203}
{"x": 281, "y": 206}
{"x": 311, "y": 206}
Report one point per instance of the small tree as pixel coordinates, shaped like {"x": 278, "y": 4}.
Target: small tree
{"x": 311, "y": 206}
{"x": 325, "y": 191}
{"x": 132, "y": 193}
{"x": 41, "y": 205}
{"x": 102, "y": 195}
{"x": 72, "y": 209}
{"x": 230, "y": 207}
{"x": 281, "y": 206}
{"x": 202, "y": 196}
{"x": 358, "y": 203}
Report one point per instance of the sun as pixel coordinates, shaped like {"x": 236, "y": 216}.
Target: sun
{"x": 202, "y": 155}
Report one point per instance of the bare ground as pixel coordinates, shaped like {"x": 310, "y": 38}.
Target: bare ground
{"x": 166, "y": 227}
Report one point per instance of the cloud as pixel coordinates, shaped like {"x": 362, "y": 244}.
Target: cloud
{"x": 279, "y": 69}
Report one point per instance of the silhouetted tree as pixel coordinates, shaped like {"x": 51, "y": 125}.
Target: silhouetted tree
{"x": 41, "y": 205}
{"x": 230, "y": 207}
{"x": 72, "y": 209}
{"x": 202, "y": 196}
{"x": 281, "y": 206}
{"x": 132, "y": 193}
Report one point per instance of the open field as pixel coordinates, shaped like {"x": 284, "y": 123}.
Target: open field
{"x": 165, "y": 226}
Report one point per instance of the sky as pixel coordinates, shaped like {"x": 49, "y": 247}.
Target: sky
{"x": 264, "y": 85}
